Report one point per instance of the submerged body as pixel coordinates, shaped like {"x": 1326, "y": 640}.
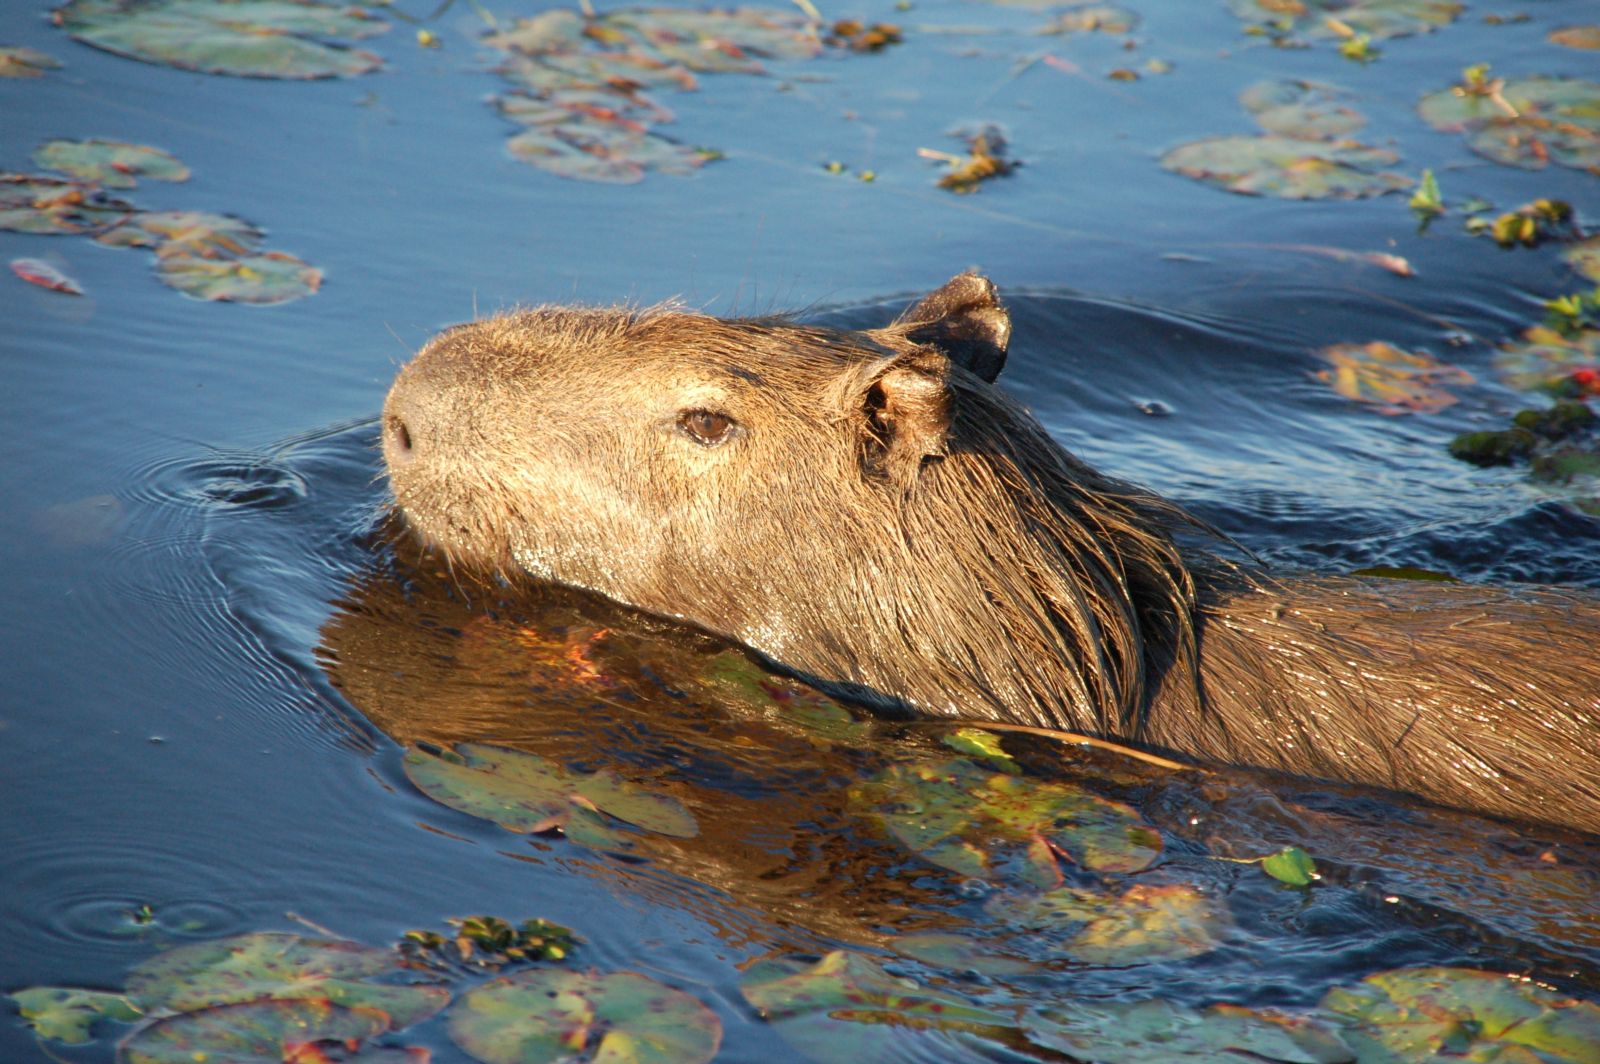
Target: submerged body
{"x": 868, "y": 509}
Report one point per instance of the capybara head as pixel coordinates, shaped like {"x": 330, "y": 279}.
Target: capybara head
{"x": 865, "y": 507}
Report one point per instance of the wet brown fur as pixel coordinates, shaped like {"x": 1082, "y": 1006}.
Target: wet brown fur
{"x": 882, "y": 516}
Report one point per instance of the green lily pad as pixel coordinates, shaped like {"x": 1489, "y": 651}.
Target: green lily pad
{"x": 1585, "y": 37}
{"x": 1439, "y": 1014}
{"x": 266, "y": 278}
{"x": 1545, "y": 359}
{"x": 244, "y": 38}
{"x": 712, "y": 40}
{"x": 1525, "y": 122}
{"x": 545, "y": 1015}
{"x": 526, "y": 793}
{"x": 1292, "y": 865}
{"x": 1304, "y": 110}
{"x": 282, "y": 967}
{"x": 1093, "y": 18}
{"x": 1390, "y": 380}
{"x": 258, "y": 1032}
{"x": 1376, "y": 19}
{"x": 194, "y": 233}
{"x": 979, "y": 742}
{"x": 1144, "y": 923}
{"x": 982, "y": 823}
{"x": 34, "y": 203}
{"x": 1287, "y": 167}
{"x": 1584, "y": 257}
{"x": 66, "y": 1013}
{"x": 961, "y": 953}
{"x": 845, "y": 1007}
{"x": 734, "y": 681}
{"x": 1158, "y": 1032}
{"x": 18, "y": 62}
{"x": 110, "y": 163}
{"x": 601, "y": 151}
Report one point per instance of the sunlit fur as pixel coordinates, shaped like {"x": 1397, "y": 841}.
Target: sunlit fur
{"x": 962, "y": 562}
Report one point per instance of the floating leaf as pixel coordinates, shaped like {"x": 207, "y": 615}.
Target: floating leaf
{"x": 43, "y": 274}
{"x": 1586, "y": 37}
{"x": 1526, "y": 122}
{"x": 33, "y": 203}
{"x": 111, "y": 163}
{"x": 270, "y": 277}
{"x": 259, "y": 1032}
{"x": 1441, "y": 1014}
{"x": 978, "y": 742}
{"x": 1157, "y": 1032}
{"x": 858, "y": 36}
{"x": 733, "y": 681}
{"x": 1287, "y": 167}
{"x": 526, "y": 793}
{"x": 1090, "y": 18}
{"x": 960, "y": 953}
{"x": 1377, "y": 19}
{"x": 245, "y": 38}
{"x": 1305, "y": 110}
{"x": 601, "y": 150}
{"x": 979, "y": 822}
{"x": 1144, "y": 923}
{"x": 1389, "y": 379}
{"x": 845, "y": 1007}
{"x": 1292, "y": 865}
{"x": 281, "y": 967}
{"x": 725, "y": 40}
{"x": 545, "y": 1015}
{"x": 985, "y": 158}
{"x": 1545, "y": 359}
{"x": 1584, "y": 256}
{"x": 66, "y": 1013}
{"x": 17, "y": 62}
{"x": 480, "y": 942}
{"x": 194, "y": 233}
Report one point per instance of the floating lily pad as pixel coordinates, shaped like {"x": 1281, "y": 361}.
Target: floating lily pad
{"x": 1585, "y": 37}
{"x": 260, "y": 1032}
{"x": 1142, "y": 924}
{"x": 281, "y": 967}
{"x": 110, "y": 163}
{"x": 1292, "y": 865}
{"x": 1390, "y": 380}
{"x": 545, "y": 1015}
{"x": 1158, "y": 1032}
{"x": 1093, "y": 18}
{"x": 245, "y": 38}
{"x": 1545, "y": 359}
{"x": 33, "y": 203}
{"x": 270, "y": 277}
{"x": 1305, "y": 110}
{"x": 17, "y": 62}
{"x": 1525, "y": 122}
{"x": 845, "y": 1007}
{"x": 526, "y": 793}
{"x": 195, "y": 233}
{"x": 715, "y": 40}
{"x": 1584, "y": 256}
{"x": 46, "y": 275}
{"x": 1376, "y": 19}
{"x": 735, "y": 682}
{"x": 982, "y": 823}
{"x": 1288, "y": 168}
{"x": 1417, "y": 1014}
{"x": 961, "y": 953}
{"x": 66, "y": 1014}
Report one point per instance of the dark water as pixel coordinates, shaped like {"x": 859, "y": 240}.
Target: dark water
{"x": 209, "y": 657}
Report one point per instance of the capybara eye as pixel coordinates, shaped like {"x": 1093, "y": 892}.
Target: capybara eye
{"x": 706, "y": 426}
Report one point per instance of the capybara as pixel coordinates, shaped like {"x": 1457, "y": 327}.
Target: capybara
{"x": 868, "y": 509}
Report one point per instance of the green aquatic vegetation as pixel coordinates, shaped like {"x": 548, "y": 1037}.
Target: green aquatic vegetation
{"x": 1092, "y": 18}
{"x": 1390, "y": 380}
{"x": 736, "y": 682}
{"x": 1427, "y": 202}
{"x": 37, "y": 203}
{"x": 1547, "y": 360}
{"x": 67, "y": 1014}
{"x": 1154, "y": 1031}
{"x": 976, "y": 821}
{"x": 1584, "y": 257}
{"x": 487, "y": 942}
{"x": 18, "y": 62}
{"x": 261, "y": 279}
{"x": 1375, "y": 19}
{"x": 1146, "y": 922}
{"x": 245, "y": 38}
{"x": 550, "y": 1015}
{"x": 193, "y": 233}
{"x": 1425, "y": 1014}
{"x": 257, "y": 1032}
{"x": 1304, "y": 110}
{"x": 1287, "y": 167}
{"x": 1524, "y": 122}
{"x": 961, "y": 953}
{"x": 526, "y": 793}
{"x": 1290, "y": 865}
{"x": 1529, "y": 225}
{"x": 109, "y": 163}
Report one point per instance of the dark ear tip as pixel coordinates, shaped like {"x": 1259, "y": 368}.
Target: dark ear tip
{"x": 965, "y": 320}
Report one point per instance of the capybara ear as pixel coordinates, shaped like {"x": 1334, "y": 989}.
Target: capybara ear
{"x": 907, "y": 410}
{"x": 964, "y": 320}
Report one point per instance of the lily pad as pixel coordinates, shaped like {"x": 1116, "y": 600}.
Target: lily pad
{"x": 526, "y": 793}
{"x": 281, "y": 967}
{"x": 1287, "y": 167}
{"x": 1157, "y": 1032}
{"x": 1390, "y": 380}
{"x": 982, "y": 823}
{"x": 110, "y": 163}
{"x": 1584, "y": 256}
{"x": 46, "y": 275}
{"x": 1585, "y": 37}
{"x": 18, "y": 62}
{"x": 1093, "y": 18}
{"x": 33, "y": 203}
{"x": 270, "y": 277}
{"x": 1292, "y": 865}
{"x": 259, "y": 1032}
{"x": 244, "y": 38}
{"x": 1144, "y": 923}
{"x": 1424, "y": 1014}
{"x": 1376, "y": 19}
{"x": 66, "y": 1014}
{"x": 1545, "y": 360}
{"x": 544, "y": 1015}
{"x": 845, "y": 1007}
{"x": 601, "y": 151}
{"x": 1305, "y": 110}
{"x": 961, "y": 953}
{"x": 1525, "y": 122}
{"x": 715, "y": 40}
{"x": 194, "y": 233}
